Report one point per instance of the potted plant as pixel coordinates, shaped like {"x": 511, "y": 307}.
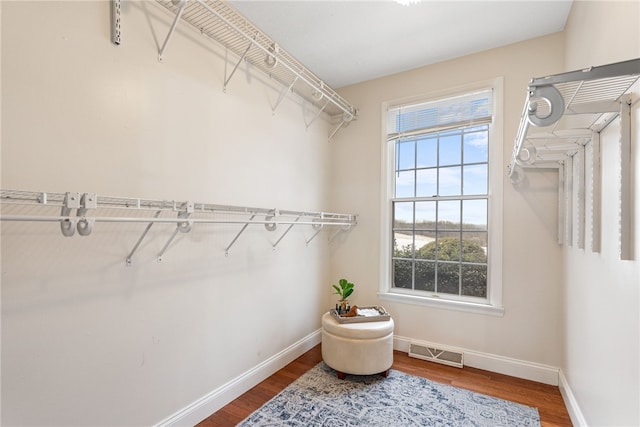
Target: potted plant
{"x": 343, "y": 289}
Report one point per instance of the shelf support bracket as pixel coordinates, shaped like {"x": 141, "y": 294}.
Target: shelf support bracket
{"x": 244, "y": 227}
{"x": 340, "y": 230}
{"x": 141, "y": 238}
{"x": 183, "y": 4}
{"x": 285, "y": 232}
{"x": 318, "y": 228}
{"x": 283, "y": 94}
{"x": 181, "y": 226}
{"x": 346, "y": 118}
{"x": 317, "y": 114}
{"x": 244, "y": 55}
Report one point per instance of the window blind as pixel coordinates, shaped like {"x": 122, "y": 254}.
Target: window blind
{"x": 413, "y": 119}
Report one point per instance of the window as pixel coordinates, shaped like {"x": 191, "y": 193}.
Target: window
{"x": 444, "y": 244}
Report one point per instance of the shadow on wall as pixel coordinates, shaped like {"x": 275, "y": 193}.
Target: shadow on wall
{"x": 536, "y": 188}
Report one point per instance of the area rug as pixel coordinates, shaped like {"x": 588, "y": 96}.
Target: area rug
{"x": 319, "y": 398}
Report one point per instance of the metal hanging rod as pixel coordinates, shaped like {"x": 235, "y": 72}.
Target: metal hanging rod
{"x": 186, "y": 215}
{"x": 220, "y": 22}
{"x": 19, "y": 197}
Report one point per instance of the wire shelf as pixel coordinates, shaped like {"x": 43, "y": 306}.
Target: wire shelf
{"x": 220, "y": 22}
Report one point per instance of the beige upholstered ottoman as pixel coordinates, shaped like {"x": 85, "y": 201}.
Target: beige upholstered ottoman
{"x": 357, "y": 348}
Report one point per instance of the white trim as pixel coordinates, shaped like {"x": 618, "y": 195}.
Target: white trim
{"x": 577, "y": 419}
{"x": 496, "y": 179}
{"x": 197, "y": 411}
{"x": 492, "y": 362}
{"x": 465, "y": 306}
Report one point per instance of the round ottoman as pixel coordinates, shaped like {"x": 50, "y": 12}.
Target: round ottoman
{"x": 363, "y": 348}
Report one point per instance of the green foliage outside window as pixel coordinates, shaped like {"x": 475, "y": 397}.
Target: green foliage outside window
{"x": 442, "y": 267}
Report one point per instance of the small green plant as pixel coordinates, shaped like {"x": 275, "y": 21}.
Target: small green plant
{"x": 344, "y": 288}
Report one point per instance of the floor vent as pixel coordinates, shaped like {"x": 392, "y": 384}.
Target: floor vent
{"x": 438, "y": 355}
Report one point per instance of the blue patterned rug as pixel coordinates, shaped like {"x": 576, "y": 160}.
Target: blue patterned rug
{"x": 319, "y": 398}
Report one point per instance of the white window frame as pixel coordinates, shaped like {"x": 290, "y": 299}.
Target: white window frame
{"x": 493, "y": 304}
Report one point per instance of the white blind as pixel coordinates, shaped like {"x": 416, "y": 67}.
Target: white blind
{"x": 466, "y": 110}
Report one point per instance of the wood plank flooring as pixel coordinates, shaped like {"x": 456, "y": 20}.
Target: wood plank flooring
{"x": 546, "y": 398}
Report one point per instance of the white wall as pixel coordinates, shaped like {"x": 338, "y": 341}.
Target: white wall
{"x": 85, "y": 339}
{"x": 532, "y": 260}
{"x": 602, "y": 298}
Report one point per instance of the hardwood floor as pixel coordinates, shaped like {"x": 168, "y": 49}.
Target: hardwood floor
{"x": 545, "y": 397}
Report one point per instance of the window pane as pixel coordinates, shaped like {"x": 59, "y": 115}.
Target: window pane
{"x": 402, "y": 274}
{"x": 448, "y": 249}
{"x": 474, "y": 247}
{"x": 403, "y": 245}
{"x": 405, "y": 184}
{"x": 427, "y": 153}
{"x": 450, "y": 149}
{"x": 450, "y": 181}
{"x": 474, "y": 280}
{"x": 474, "y": 214}
{"x": 476, "y": 147}
{"x": 475, "y": 180}
{"x": 448, "y": 276}
{"x": 427, "y": 180}
{"x": 405, "y": 155}
{"x": 425, "y": 276}
{"x": 449, "y": 215}
{"x": 403, "y": 215}
{"x": 425, "y": 215}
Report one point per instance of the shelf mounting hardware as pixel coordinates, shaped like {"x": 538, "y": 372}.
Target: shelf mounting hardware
{"x": 116, "y": 6}
{"x": 68, "y": 224}
{"x": 317, "y": 228}
{"x": 242, "y": 58}
{"x": 285, "y": 232}
{"x": 182, "y": 226}
{"x": 181, "y": 5}
{"x": 244, "y": 227}
{"x": 141, "y": 238}
{"x": 283, "y": 94}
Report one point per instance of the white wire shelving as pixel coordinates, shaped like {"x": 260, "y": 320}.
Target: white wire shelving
{"x": 563, "y": 113}
{"x": 79, "y": 212}
{"x": 223, "y": 24}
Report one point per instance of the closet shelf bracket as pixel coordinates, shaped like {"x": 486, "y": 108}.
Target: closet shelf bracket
{"x": 182, "y": 226}
{"x": 181, "y": 5}
{"x": 285, "y": 232}
{"x": 242, "y": 58}
{"x": 317, "y": 228}
{"x": 283, "y": 94}
{"x": 244, "y": 227}
{"x": 141, "y": 238}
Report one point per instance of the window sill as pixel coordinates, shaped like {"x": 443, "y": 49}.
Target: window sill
{"x": 468, "y": 307}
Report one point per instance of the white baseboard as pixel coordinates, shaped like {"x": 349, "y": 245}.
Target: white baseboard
{"x": 216, "y": 399}
{"x": 577, "y": 419}
{"x": 491, "y": 362}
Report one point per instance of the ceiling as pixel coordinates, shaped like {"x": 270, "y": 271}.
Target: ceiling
{"x": 347, "y": 42}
